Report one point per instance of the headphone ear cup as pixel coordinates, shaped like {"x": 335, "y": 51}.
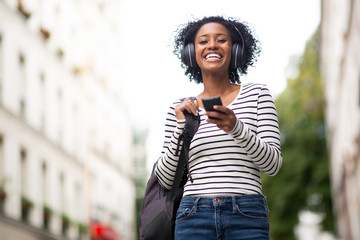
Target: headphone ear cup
{"x": 236, "y": 55}
{"x": 188, "y": 55}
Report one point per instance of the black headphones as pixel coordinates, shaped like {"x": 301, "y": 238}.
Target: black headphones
{"x": 188, "y": 53}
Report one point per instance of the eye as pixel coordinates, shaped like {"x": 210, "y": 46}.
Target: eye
{"x": 203, "y": 42}
{"x": 222, "y": 40}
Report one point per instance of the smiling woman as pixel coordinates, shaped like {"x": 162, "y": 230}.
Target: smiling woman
{"x": 235, "y": 31}
{"x": 235, "y": 141}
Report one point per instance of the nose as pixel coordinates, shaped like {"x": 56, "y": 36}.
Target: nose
{"x": 212, "y": 44}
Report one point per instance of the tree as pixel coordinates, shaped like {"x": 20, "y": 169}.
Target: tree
{"x": 303, "y": 182}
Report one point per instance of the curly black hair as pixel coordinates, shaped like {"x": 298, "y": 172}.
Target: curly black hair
{"x": 186, "y": 33}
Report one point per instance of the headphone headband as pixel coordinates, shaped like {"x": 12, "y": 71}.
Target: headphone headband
{"x": 236, "y": 57}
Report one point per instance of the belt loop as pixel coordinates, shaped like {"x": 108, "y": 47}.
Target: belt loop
{"x": 196, "y": 203}
{"x": 234, "y": 204}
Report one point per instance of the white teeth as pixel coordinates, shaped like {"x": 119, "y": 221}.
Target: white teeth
{"x": 213, "y": 55}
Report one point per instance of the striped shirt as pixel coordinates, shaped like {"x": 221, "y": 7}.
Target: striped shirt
{"x": 227, "y": 163}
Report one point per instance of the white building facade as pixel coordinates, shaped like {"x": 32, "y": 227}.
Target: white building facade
{"x": 65, "y": 136}
{"x": 340, "y": 49}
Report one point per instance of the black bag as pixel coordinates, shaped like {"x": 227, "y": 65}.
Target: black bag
{"x": 157, "y": 217}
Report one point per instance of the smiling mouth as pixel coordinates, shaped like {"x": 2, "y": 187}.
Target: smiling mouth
{"x": 213, "y": 56}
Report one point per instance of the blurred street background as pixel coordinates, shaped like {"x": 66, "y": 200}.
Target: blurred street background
{"x": 85, "y": 86}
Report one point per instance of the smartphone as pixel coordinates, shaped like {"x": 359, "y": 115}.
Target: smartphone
{"x": 210, "y": 102}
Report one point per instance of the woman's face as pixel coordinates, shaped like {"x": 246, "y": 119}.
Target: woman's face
{"x": 213, "y": 48}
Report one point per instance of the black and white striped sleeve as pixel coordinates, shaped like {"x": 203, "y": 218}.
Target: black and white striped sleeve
{"x": 262, "y": 146}
{"x": 166, "y": 166}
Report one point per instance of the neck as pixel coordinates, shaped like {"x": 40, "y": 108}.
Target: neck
{"x": 216, "y": 85}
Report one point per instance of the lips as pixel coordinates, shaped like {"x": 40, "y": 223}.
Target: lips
{"x": 213, "y": 56}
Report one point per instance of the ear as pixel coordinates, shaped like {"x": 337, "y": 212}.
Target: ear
{"x": 188, "y": 55}
{"x": 236, "y": 55}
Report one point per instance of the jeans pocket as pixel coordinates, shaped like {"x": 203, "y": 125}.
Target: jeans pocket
{"x": 184, "y": 213}
{"x": 254, "y": 210}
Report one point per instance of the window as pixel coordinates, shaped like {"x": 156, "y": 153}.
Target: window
{"x": 60, "y": 116}
{"x": 78, "y": 200}
{"x": 23, "y": 170}
{"x": 44, "y": 182}
{"x": 75, "y": 131}
{"x": 42, "y": 102}
{"x": 22, "y": 85}
{"x": 62, "y": 192}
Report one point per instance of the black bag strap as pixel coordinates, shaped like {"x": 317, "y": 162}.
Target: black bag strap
{"x": 191, "y": 126}
{"x": 192, "y": 123}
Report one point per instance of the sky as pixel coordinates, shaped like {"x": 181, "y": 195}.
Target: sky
{"x": 151, "y": 74}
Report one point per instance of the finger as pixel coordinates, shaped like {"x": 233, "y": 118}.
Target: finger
{"x": 191, "y": 108}
{"x": 212, "y": 120}
{"x": 214, "y": 115}
{"x": 196, "y": 104}
{"x": 194, "y": 108}
{"x": 187, "y": 100}
{"x": 221, "y": 108}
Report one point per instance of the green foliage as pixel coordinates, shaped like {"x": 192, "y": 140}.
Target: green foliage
{"x": 65, "y": 224}
{"x": 47, "y": 209}
{"x": 82, "y": 229}
{"x": 26, "y": 206}
{"x": 303, "y": 181}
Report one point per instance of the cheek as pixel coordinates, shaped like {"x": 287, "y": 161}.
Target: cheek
{"x": 198, "y": 54}
{"x": 228, "y": 50}
{"x": 228, "y": 53}
{"x": 198, "y": 58}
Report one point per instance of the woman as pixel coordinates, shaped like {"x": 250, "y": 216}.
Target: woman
{"x": 223, "y": 199}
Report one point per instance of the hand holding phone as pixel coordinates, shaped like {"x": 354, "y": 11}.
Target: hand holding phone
{"x": 209, "y": 103}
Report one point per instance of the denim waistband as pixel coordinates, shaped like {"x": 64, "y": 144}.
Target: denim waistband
{"x": 223, "y": 201}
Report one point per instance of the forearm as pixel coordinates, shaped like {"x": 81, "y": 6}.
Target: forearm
{"x": 266, "y": 155}
{"x": 167, "y": 164}
{"x": 261, "y": 143}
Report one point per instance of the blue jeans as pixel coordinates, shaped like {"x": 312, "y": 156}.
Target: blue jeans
{"x": 222, "y": 218}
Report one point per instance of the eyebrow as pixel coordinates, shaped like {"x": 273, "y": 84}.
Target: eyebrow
{"x": 218, "y": 34}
